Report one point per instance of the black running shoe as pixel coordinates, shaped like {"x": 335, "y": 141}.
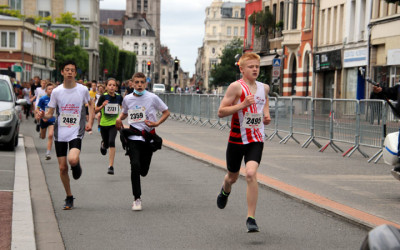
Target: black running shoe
{"x": 76, "y": 171}
{"x": 69, "y": 203}
{"x": 103, "y": 150}
{"x": 222, "y": 199}
{"x": 110, "y": 170}
{"x": 251, "y": 225}
{"x": 37, "y": 127}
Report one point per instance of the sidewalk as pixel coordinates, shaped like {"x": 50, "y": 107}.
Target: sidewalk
{"x": 364, "y": 193}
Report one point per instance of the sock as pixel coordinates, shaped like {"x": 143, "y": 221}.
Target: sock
{"x": 224, "y": 193}
{"x": 48, "y": 152}
{"x": 252, "y": 217}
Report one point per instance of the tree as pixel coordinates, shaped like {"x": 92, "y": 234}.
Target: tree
{"x": 263, "y": 22}
{"x": 109, "y": 56}
{"x": 126, "y": 67}
{"x": 66, "y": 50}
{"x": 226, "y": 71}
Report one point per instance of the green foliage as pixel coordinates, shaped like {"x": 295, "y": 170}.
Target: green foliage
{"x": 66, "y": 50}
{"x": 14, "y": 13}
{"x": 263, "y": 22}
{"x": 68, "y": 18}
{"x": 126, "y": 67}
{"x": 226, "y": 71}
{"x": 109, "y": 57}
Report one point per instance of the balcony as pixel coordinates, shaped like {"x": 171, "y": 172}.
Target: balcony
{"x": 261, "y": 44}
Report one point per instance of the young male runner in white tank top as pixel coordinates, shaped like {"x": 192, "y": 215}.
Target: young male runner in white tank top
{"x": 247, "y": 101}
{"x": 68, "y": 100}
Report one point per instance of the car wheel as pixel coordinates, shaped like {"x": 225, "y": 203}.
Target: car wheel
{"x": 11, "y": 144}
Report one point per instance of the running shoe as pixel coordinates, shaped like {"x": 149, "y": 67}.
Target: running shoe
{"x": 76, "y": 171}
{"x": 110, "y": 170}
{"x": 37, "y": 127}
{"x": 251, "y": 225}
{"x": 222, "y": 199}
{"x": 103, "y": 150}
{"x": 48, "y": 157}
{"x": 137, "y": 205}
{"x": 69, "y": 203}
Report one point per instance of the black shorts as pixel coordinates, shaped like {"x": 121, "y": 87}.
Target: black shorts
{"x": 236, "y": 152}
{"x": 62, "y": 147}
{"x": 44, "y": 124}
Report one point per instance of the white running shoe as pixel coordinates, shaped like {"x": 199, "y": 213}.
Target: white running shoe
{"x": 137, "y": 205}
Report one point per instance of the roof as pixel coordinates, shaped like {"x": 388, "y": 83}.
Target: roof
{"x": 111, "y": 14}
{"x": 137, "y": 23}
{"x": 232, "y": 4}
{"x": 4, "y": 17}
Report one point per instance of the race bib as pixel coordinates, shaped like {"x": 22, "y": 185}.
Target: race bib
{"x": 136, "y": 115}
{"x": 111, "y": 109}
{"x": 69, "y": 120}
{"x": 251, "y": 120}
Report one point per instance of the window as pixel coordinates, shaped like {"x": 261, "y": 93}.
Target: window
{"x": 84, "y": 9}
{"x": 15, "y": 4}
{"x": 110, "y": 32}
{"x": 214, "y": 30}
{"x": 143, "y": 32}
{"x": 308, "y": 14}
{"x": 144, "y": 49}
{"x": 71, "y": 6}
{"x": 235, "y": 31}
{"x": 144, "y": 66}
{"x": 294, "y": 15}
{"x": 84, "y": 37}
{"x": 8, "y": 39}
{"x": 229, "y": 31}
{"x": 128, "y": 32}
{"x": 146, "y": 5}
{"x": 101, "y": 31}
{"x": 163, "y": 72}
{"x": 136, "y": 48}
{"x": 213, "y": 51}
{"x": 151, "y": 49}
{"x": 44, "y": 8}
{"x": 44, "y": 13}
{"x": 241, "y": 31}
{"x": 139, "y": 5}
{"x": 236, "y": 14}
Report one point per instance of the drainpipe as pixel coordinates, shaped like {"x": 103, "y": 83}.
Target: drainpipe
{"x": 315, "y": 42}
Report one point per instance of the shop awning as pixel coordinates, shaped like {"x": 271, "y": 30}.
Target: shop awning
{"x": 266, "y": 60}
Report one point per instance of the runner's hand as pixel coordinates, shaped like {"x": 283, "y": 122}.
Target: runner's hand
{"x": 88, "y": 127}
{"x": 249, "y": 100}
{"x": 118, "y": 124}
{"x": 151, "y": 124}
{"x": 267, "y": 120}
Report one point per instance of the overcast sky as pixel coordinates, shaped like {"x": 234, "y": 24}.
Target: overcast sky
{"x": 182, "y": 27}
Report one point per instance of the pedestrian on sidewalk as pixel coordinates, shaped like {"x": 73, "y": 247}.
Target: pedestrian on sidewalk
{"x": 392, "y": 93}
{"x": 46, "y": 124}
{"x": 109, "y": 104}
{"x": 141, "y": 108}
{"x": 247, "y": 101}
{"x": 69, "y": 101}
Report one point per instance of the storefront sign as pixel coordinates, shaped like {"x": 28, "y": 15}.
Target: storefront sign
{"x": 355, "y": 58}
{"x": 327, "y": 61}
{"x": 393, "y": 57}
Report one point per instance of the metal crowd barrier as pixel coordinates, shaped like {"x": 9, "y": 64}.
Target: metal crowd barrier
{"x": 359, "y": 123}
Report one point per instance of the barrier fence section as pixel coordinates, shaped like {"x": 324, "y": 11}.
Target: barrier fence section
{"x": 354, "y": 122}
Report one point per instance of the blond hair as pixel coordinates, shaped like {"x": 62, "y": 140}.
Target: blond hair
{"x": 247, "y": 57}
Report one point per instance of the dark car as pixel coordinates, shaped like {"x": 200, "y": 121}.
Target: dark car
{"x": 10, "y": 113}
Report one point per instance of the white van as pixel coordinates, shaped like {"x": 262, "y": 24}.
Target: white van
{"x": 158, "y": 88}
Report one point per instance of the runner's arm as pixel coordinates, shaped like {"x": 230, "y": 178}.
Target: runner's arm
{"x": 227, "y": 106}
{"x": 162, "y": 119}
{"x": 47, "y": 115}
{"x": 89, "y": 125}
{"x": 267, "y": 116}
{"x": 118, "y": 122}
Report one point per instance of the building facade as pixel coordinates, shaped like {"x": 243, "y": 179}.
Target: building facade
{"x": 224, "y": 22}
{"x": 86, "y": 11}
{"x": 25, "y": 45}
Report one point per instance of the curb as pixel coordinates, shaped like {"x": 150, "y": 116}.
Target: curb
{"x": 23, "y": 233}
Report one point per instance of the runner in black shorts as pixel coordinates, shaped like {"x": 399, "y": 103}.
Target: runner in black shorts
{"x": 68, "y": 101}
{"x": 247, "y": 101}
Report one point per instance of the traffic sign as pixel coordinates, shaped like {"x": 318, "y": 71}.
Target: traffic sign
{"x": 16, "y": 68}
{"x": 276, "y": 72}
{"x": 105, "y": 71}
{"x": 148, "y": 79}
{"x": 276, "y": 62}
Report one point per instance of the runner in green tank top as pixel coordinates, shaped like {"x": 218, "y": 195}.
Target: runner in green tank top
{"x": 109, "y": 104}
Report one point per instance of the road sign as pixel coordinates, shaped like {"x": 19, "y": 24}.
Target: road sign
{"x": 105, "y": 71}
{"x": 16, "y": 68}
{"x": 276, "y": 72}
{"x": 276, "y": 62}
{"x": 148, "y": 79}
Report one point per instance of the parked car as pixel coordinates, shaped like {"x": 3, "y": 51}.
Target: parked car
{"x": 10, "y": 114}
{"x": 158, "y": 88}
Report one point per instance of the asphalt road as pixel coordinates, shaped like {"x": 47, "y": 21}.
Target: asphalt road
{"x": 179, "y": 208}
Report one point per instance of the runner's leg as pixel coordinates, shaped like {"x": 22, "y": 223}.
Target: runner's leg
{"x": 252, "y": 187}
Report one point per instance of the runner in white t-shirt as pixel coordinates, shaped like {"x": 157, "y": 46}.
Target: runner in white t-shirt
{"x": 39, "y": 93}
{"x": 68, "y": 101}
{"x": 141, "y": 109}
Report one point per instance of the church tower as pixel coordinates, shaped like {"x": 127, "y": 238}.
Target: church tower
{"x": 151, "y": 11}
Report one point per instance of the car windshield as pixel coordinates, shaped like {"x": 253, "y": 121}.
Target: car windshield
{"x": 5, "y": 92}
{"x": 159, "y": 86}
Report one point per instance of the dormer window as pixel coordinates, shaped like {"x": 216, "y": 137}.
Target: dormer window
{"x": 143, "y": 32}
{"x": 128, "y": 32}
